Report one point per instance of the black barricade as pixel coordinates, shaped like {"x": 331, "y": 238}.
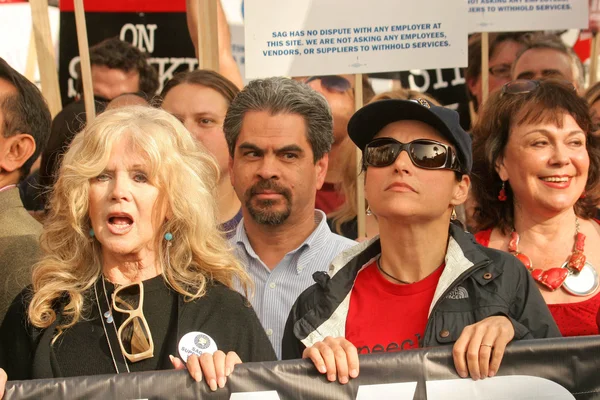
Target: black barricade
{"x": 550, "y": 369}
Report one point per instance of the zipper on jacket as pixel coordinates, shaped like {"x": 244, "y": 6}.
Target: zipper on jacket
{"x": 460, "y": 279}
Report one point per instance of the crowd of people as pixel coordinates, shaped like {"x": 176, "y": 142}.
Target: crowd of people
{"x": 229, "y": 211}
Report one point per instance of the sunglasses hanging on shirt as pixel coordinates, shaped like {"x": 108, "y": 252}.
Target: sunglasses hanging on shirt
{"x": 134, "y": 334}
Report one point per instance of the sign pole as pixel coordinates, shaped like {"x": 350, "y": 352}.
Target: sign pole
{"x": 31, "y": 59}
{"x": 485, "y": 66}
{"x": 360, "y": 183}
{"x": 208, "y": 49}
{"x": 84, "y": 61}
{"x": 594, "y": 59}
{"x": 40, "y": 22}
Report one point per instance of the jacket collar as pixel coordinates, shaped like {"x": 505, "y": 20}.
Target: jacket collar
{"x": 328, "y": 318}
{"x": 10, "y": 198}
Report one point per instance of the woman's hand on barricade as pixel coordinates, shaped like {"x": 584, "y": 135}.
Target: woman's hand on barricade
{"x": 334, "y": 357}
{"x": 479, "y": 349}
{"x": 3, "y": 379}
{"x": 215, "y": 368}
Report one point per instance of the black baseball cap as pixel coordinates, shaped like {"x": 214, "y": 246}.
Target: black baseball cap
{"x": 372, "y": 118}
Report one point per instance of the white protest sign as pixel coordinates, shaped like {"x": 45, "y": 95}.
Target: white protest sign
{"x": 15, "y": 30}
{"x": 527, "y": 15}
{"x": 325, "y": 37}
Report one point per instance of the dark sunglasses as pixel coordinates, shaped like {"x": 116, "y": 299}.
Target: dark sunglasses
{"x": 424, "y": 153}
{"x": 523, "y": 86}
{"x": 332, "y": 83}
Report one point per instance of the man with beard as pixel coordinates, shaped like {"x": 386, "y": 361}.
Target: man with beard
{"x": 279, "y": 133}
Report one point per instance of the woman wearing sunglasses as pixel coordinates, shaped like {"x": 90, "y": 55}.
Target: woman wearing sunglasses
{"x": 423, "y": 281}
{"x": 536, "y": 180}
{"x": 344, "y": 220}
{"x": 134, "y": 263}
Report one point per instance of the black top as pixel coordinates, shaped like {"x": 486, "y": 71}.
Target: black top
{"x": 348, "y": 229}
{"x": 223, "y": 314}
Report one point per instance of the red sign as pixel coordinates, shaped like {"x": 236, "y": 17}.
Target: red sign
{"x": 126, "y": 5}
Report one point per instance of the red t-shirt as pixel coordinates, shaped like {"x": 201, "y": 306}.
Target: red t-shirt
{"x": 384, "y": 316}
{"x": 483, "y": 237}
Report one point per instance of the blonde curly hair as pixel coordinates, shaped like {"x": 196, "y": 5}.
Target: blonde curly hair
{"x": 186, "y": 175}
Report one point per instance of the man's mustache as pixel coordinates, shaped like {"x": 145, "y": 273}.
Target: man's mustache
{"x": 270, "y": 185}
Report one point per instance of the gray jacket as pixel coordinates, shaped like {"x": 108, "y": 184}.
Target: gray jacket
{"x": 19, "y": 247}
{"x": 477, "y": 282}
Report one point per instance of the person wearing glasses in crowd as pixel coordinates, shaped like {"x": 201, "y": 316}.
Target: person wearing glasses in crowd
{"x": 503, "y": 50}
{"x": 338, "y": 90}
{"x": 423, "y": 281}
{"x": 547, "y": 56}
{"x": 131, "y": 265}
{"x": 537, "y": 178}
{"x": 199, "y": 99}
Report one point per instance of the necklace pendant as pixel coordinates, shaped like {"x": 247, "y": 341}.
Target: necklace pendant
{"x": 579, "y": 242}
{"x": 583, "y": 283}
{"x": 109, "y": 317}
{"x": 552, "y": 278}
{"x": 577, "y": 261}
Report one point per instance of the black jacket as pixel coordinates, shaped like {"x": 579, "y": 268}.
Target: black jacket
{"x": 477, "y": 283}
{"x": 27, "y": 352}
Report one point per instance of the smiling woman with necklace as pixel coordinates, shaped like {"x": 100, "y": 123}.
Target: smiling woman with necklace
{"x": 135, "y": 276}
{"x": 537, "y": 181}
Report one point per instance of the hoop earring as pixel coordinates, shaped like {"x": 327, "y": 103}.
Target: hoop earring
{"x": 502, "y": 194}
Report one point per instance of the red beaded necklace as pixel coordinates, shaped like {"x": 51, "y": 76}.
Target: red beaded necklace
{"x": 552, "y": 278}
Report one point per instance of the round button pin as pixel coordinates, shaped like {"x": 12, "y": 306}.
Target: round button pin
{"x": 196, "y": 343}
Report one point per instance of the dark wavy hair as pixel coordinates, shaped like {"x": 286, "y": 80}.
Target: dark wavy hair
{"x": 546, "y": 104}
{"x": 118, "y": 54}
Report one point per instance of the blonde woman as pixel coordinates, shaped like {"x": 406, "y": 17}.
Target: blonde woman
{"x": 343, "y": 221}
{"x": 133, "y": 262}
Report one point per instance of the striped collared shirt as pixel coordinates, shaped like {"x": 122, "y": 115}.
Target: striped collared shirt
{"x": 276, "y": 291}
